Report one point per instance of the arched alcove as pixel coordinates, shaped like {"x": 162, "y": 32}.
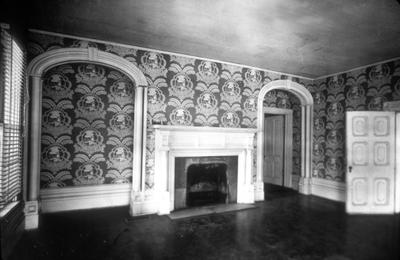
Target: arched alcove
{"x": 37, "y": 67}
{"x": 306, "y": 100}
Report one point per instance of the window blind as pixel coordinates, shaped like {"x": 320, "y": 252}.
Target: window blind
{"x": 11, "y": 135}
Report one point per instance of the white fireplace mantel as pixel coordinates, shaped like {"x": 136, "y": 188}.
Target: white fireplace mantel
{"x": 189, "y": 141}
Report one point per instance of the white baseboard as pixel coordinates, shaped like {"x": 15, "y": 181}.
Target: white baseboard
{"x": 328, "y": 189}
{"x": 31, "y": 214}
{"x": 259, "y": 191}
{"x": 87, "y": 197}
{"x": 144, "y": 208}
{"x": 101, "y": 196}
{"x": 305, "y": 185}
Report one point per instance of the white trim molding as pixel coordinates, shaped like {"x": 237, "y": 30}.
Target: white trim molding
{"x": 397, "y": 168}
{"x": 74, "y": 198}
{"x": 56, "y": 57}
{"x": 36, "y": 68}
{"x": 328, "y": 189}
{"x": 356, "y": 68}
{"x": 31, "y": 212}
{"x": 306, "y": 100}
{"x": 62, "y": 35}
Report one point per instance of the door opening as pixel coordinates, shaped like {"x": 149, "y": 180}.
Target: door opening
{"x": 274, "y": 149}
{"x": 278, "y": 146}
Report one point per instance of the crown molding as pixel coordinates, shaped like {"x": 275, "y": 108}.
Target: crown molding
{"x": 164, "y": 52}
{"x": 208, "y": 59}
{"x": 357, "y": 68}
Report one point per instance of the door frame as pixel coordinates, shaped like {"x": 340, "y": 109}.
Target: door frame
{"x": 288, "y": 141}
{"x": 307, "y": 104}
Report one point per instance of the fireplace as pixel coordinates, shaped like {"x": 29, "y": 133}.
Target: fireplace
{"x": 206, "y": 184}
{"x": 205, "y": 180}
{"x": 202, "y": 149}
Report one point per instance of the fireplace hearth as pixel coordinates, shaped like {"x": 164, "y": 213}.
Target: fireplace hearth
{"x": 205, "y": 180}
{"x": 206, "y": 184}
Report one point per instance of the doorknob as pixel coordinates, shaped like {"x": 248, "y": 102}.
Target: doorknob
{"x": 350, "y": 168}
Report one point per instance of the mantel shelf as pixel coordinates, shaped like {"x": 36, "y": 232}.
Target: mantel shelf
{"x": 204, "y": 129}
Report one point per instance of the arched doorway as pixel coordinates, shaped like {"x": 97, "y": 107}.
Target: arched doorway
{"x": 36, "y": 69}
{"x": 306, "y": 101}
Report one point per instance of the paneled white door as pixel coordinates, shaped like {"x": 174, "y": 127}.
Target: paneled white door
{"x": 274, "y": 136}
{"x": 370, "y": 178}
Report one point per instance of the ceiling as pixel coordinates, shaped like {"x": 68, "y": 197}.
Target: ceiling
{"x": 309, "y": 38}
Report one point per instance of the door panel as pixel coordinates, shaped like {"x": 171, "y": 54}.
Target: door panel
{"x": 381, "y": 150}
{"x": 359, "y": 126}
{"x": 382, "y": 189}
{"x": 381, "y": 126}
{"x": 370, "y": 160}
{"x": 274, "y": 149}
{"x": 360, "y": 191}
{"x": 360, "y": 153}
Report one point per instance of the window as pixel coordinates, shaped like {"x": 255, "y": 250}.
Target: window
{"x": 12, "y": 69}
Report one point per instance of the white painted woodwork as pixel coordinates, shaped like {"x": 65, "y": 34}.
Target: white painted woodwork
{"x": 328, "y": 189}
{"x": 397, "y": 174}
{"x": 306, "y": 100}
{"x": 35, "y": 71}
{"x": 74, "y": 198}
{"x": 393, "y": 106}
{"x": 31, "y": 210}
{"x": 131, "y": 46}
{"x": 370, "y": 177}
{"x": 182, "y": 141}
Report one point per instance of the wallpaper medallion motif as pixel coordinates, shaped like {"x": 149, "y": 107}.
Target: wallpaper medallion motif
{"x": 207, "y": 103}
{"x": 358, "y": 90}
{"x": 87, "y": 132}
{"x": 181, "y": 91}
{"x": 189, "y": 91}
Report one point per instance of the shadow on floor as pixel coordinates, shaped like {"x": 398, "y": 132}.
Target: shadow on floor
{"x": 274, "y": 191}
{"x": 287, "y": 225}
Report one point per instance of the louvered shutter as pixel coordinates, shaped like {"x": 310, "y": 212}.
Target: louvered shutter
{"x": 11, "y": 136}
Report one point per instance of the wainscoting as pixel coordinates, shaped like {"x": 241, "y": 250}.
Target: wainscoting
{"x": 74, "y": 198}
{"x": 328, "y": 189}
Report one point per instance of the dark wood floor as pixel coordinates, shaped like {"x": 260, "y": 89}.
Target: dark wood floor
{"x": 285, "y": 226}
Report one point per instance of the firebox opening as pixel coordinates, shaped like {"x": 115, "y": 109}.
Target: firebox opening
{"x": 206, "y": 184}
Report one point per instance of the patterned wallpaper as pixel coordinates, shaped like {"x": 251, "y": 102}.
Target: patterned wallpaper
{"x": 87, "y": 131}
{"x": 285, "y": 99}
{"x": 182, "y": 91}
{"x": 188, "y": 91}
{"x": 358, "y": 90}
